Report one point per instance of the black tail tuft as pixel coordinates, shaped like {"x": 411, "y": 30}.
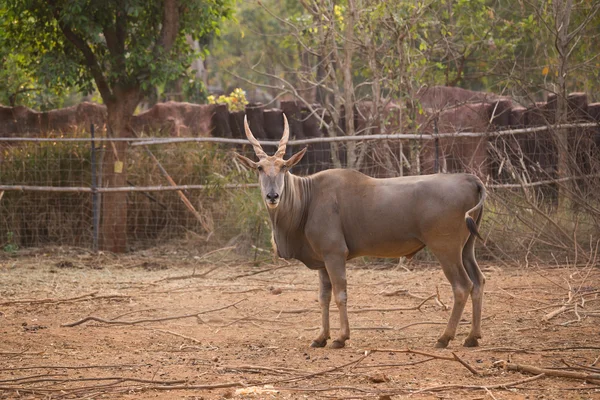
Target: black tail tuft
{"x": 472, "y": 226}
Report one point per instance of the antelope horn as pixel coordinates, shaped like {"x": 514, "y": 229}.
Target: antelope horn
{"x": 284, "y": 139}
{"x": 260, "y": 153}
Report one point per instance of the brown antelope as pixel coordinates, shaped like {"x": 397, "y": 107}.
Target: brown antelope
{"x": 338, "y": 214}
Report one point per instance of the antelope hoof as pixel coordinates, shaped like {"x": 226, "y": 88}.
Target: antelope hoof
{"x": 471, "y": 342}
{"x": 337, "y": 344}
{"x": 442, "y": 343}
{"x": 317, "y": 344}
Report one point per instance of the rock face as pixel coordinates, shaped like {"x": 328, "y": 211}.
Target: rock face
{"x": 167, "y": 119}
{"x": 442, "y": 110}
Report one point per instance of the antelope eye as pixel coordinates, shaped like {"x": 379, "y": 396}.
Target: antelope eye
{"x": 260, "y": 168}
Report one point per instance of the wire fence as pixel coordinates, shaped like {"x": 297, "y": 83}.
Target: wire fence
{"x": 192, "y": 192}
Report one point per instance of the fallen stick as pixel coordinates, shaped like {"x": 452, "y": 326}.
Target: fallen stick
{"x": 201, "y": 275}
{"x": 568, "y": 348}
{"x": 503, "y": 349}
{"x": 190, "y": 276}
{"x": 357, "y": 328}
{"x": 530, "y": 369}
{"x": 145, "y": 320}
{"x": 394, "y": 292}
{"x": 24, "y": 378}
{"x": 259, "y": 272}
{"x": 575, "y": 365}
{"x": 177, "y": 334}
{"x": 83, "y": 297}
{"x": 20, "y": 353}
{"x": 431, "y": 355}
{"x": 296, "y": 311}
{"x": 426, "y": 323}
{"x": 417, "y": 307}
{"x": 325, "y": 389}
{"x": 120, "y": 379}
{"x": 554, "y": 313}
{"x": 481, "y": 387}
{"x": 74, "y": 367}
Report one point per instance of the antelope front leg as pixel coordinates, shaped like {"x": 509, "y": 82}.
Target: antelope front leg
{"x": 336, "y": 268}
{"x": 324, "y": 301}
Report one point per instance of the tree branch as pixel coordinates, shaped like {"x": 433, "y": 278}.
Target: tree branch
{"x": 170, "y": 26}
{"x": 88, "y": 54}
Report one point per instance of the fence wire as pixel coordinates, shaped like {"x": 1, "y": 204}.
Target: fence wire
{"x": 193, "y": 192}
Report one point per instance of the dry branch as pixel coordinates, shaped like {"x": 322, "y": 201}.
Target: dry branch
{"x": 120, "y": 379}
{"x": 478, "y": 387}
{"x": 74, "y": 367}
{"x": 84, "y": 297}
{"x": 24, "y": 378}
{"x": 241, "y": 384}
{"x": 177, "y": 334}
{"x": 417, "y": 307}
{"x": 189, "y": 276}
{"x": 145, "y": 320}
{"x": 430, "y": 355}
{"x": 193, "y": 274}
{"x": 554, "y": 313}
{"x": 259, "y": 272}
{"x": 20, "y": 353}
{"x": 530, "y": 369}
{"x": 425, "y": 323}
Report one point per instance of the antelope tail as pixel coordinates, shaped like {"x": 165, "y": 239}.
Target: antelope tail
{"x": 471, "y": 224}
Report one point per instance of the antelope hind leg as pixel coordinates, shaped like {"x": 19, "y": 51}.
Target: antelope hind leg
{"x": 324, "y": 301}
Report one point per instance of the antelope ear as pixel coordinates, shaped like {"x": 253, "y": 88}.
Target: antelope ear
{"x": 246, "y": 161}
{"x": 295, "y": 159}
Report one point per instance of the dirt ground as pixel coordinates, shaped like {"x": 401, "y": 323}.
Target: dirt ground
{"x": 178, "y": 324}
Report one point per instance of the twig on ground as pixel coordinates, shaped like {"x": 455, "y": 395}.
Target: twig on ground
{"x": 481, "y": 387}
{"x": 24, "y": 378}
{"x": 296, "y": 311}
{"x": 399, "y": 292}
{"x": 569, "y": 348}
{"x": 503, "y": 349}
{"x": 574, "y": 365}
{"x": 84, "y": 297}
{"x": 530, "y": 369}
{"x": 417, "y": 307}
{"x": 259, "y": 272}
{"x": 176, "y": 334}
{"x": 514, "y": 296}
{"x": 325, "y": 389}
{"x": 134, "y": 312}
{"x": 243, "y": 291}
{"x": 258, "y": 368}
{"x": 145, "y": 320}
{"x": 426, "y": 323}
{"x": 430, "y": 355}
{"x": 74, "y": 367}
{"x": 573, "y": 320}
{"x": 357, "y": 328}
{"x": 554, "y": 313}
{"x": 47, "y": 378}
{"x": 193, "y": 275}
{"x": 438, "y": 299}
{"x": 20, "y": 353}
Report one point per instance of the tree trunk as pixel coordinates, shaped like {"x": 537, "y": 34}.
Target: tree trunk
{"x": 352, "y": 156}
{"x": 562, "y": 16}
{"x": 113, "y": 226}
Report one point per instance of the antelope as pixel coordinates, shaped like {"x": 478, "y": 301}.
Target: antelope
{"x": 335, "y": 215}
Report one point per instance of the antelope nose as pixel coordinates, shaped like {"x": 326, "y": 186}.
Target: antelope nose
{"x": 272, "y": 197}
